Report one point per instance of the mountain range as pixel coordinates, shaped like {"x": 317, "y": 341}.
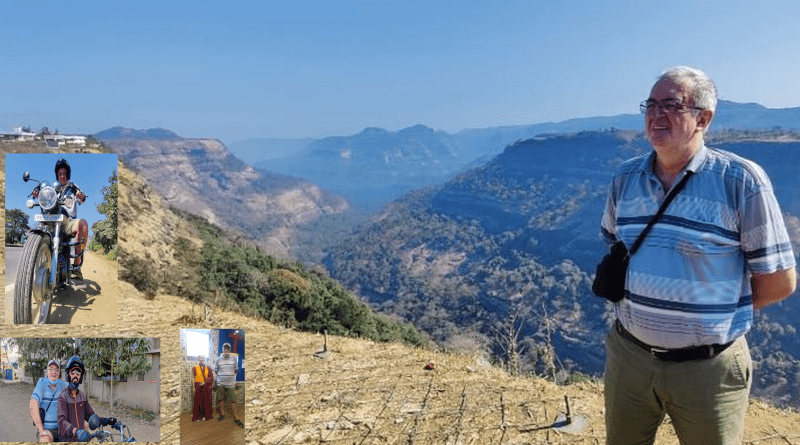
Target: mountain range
{"x": 376, "y": 166}
{"x": 200, "y": 176}
{"x": 472, "y": 246}
{"x": 513, "y": 245}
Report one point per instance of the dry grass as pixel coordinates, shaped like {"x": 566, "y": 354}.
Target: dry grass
{"x": 369, "y": 393}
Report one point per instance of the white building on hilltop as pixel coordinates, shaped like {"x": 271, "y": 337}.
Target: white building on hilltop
{"x": 18, "y": 134}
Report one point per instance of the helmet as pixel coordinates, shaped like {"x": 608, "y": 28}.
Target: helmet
{"x": 62, "y": 163}
{"x": 74, "y": 362}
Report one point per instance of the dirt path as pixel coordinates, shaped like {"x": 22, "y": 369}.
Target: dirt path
{"x": 95, "y": 304}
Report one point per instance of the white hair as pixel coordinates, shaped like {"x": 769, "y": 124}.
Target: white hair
{"x": 702, "y": 87}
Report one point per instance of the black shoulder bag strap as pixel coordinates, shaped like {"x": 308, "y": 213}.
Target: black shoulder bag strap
{"x": 675, "y": 190}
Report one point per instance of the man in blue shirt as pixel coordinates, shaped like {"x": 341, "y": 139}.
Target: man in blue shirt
{"x": 719, "y": 251}
{"x": 44, "y": 396}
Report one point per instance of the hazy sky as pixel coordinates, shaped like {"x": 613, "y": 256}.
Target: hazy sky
{"x": 237, "y": 69}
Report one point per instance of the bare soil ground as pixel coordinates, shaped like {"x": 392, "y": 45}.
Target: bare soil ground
{"x": 369, "y": 393}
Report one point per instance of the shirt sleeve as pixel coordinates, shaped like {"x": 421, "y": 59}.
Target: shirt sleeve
{"x": 38, "y": 392}
{"x": 608, "y": 223}
{"x": 765, "y": 240}
{"x": 64, "y": 427}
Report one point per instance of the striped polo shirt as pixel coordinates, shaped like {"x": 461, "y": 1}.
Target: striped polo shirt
{"x": 226, "y": 370}
{"x": 689, "y": 282}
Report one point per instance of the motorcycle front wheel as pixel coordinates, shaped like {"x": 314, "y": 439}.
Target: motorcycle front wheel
{"x": 32, "y": 297}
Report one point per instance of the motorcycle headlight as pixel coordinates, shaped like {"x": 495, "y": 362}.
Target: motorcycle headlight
{"x": 47, "y": 198}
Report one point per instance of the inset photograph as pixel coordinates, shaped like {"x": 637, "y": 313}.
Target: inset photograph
{"x": 212, "y": 386}
{"x": 80, "y": 389}
{"x": 61, "y": 238}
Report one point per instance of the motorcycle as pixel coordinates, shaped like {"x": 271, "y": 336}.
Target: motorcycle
{"x": 105, "y": 436}
{"x": 45, "y": 265}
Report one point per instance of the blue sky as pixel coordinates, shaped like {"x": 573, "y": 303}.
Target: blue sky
{"x": 237, "y": 70}
{"x": 90, "y": 172}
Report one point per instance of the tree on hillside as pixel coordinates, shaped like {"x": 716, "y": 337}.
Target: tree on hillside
{"x": 507, "y": 337}
{"x": 115, "y": 356}
{"x": 36, "y": 352}
{"x": 16, "y": 225}
{"x": 105, "y": 231}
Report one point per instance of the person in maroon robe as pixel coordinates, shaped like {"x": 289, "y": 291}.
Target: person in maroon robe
{"x": 203, "y": 381}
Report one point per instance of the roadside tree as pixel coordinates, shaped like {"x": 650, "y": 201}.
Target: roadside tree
{"x": 16, "y": 225}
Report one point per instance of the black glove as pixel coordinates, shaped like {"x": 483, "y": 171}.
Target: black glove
{"x": 108, "y": 421}
{"x": 83, "y": 435}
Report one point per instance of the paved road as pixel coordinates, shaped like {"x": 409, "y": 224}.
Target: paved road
{"x": 12, "y": 259}
{"x": 16, "y": 424}
{"x": 95, "y": 304}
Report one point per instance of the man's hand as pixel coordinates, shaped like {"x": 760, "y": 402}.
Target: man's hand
{"x": 45, "y": 436}
{"x": 108, "y": 421}
{"x": 202, "y": 383}
{"x": 81, "y": 197}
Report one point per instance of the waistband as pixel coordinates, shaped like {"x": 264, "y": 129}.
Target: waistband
{"x": 674, "y": 355}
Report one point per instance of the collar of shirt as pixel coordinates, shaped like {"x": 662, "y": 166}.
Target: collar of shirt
{"x": 648, "y": 163}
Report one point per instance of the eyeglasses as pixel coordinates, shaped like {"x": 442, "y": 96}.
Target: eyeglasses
{"x": 666, "y": 106}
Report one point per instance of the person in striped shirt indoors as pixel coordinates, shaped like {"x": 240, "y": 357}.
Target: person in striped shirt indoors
{"x": 719, "y": 251}
{"x": 226, "y": 367}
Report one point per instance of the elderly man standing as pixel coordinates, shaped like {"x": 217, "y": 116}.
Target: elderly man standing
{"x": 203, "y": 382}
{"x": 719, "y": 251}
{"x": 227, "y": 366}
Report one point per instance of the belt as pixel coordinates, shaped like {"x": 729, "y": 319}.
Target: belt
{"x": 675, "y": 355}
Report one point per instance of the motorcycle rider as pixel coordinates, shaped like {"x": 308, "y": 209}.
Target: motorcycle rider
{"x": 76, "y": 226}
{"x": 46, "y": 392}
{"x": 74, "y": 408}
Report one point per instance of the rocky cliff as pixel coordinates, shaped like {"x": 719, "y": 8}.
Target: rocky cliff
{"x": 200, "y": 176}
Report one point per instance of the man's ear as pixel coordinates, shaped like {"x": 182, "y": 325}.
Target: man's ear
{"x": 704, "y": 118}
